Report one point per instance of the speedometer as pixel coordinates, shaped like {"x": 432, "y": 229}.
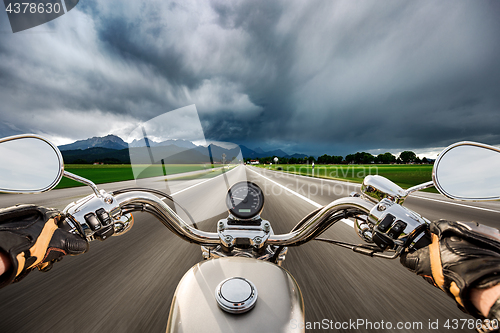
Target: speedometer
{"x": 245, "y": 200}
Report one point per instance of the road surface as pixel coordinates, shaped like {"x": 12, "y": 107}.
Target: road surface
{"x": 126, "y": 284}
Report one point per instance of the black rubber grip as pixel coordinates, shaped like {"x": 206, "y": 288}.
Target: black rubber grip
{"x": 424, "y": 241}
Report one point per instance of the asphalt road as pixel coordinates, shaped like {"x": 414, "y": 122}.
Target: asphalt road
{"x": 126, "y": 283}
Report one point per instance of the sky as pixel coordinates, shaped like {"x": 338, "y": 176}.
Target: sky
{"x": 309, "y": 77}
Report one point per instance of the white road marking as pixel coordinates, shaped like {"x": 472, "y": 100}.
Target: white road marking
{"x": 314, "y": 203}
{"x": 190, "y": 187}
{"x": 413, "y": 196}
{"x": 458, "y": 204}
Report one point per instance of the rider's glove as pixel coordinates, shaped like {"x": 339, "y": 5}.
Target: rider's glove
{"x": 30, "y": 236}
{"x": 461, "y": 256}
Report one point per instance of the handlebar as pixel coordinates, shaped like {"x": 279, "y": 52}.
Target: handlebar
{"x": 152, "y": 204}
{"x": 118, "y": 206}
{"x": 313, "y": 227}
{"x": 318, "y": 223}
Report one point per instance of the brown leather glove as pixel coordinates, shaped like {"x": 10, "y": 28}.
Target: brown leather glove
{"x": 461, "y": 256}
{"x": 31, "y": 238}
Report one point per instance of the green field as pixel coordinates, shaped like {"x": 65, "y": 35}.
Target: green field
{"x": 405, "y": 175}
{"x": 100, "y": 174}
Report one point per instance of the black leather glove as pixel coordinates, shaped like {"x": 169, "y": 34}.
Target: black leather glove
{"x": 461, "y": 256}
{"x": 31, "y": 238}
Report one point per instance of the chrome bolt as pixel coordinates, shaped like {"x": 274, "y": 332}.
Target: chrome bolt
{"x": 267, "y": 227}
{"x": 108, "y": 200}
{"x": 221, "y": 225}
{"x": 228, "y": 239}
{"x": 381, "y": 207}
{"x": 257, "y": 240}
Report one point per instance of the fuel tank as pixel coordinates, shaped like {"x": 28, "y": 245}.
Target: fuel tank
{"x": 279, "y": 306}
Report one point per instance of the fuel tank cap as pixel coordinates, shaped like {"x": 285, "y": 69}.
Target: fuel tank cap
{"x": 236, "y": 295}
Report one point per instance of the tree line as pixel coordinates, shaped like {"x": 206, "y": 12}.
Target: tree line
{"x": 405, "y": 157}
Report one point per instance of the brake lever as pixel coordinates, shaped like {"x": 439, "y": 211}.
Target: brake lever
{"x": 366, "y": 249}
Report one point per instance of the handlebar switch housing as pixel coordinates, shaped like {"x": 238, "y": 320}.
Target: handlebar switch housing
{"x": 103, "y": 216}
{"x": 382, "y": 240}
{"x": 397, "y": 229}
{"x": 92, "y": 221}
{"x": 394, "y": 223}
{"x": 93, "y": 217}
{"x": 386, "y": 222}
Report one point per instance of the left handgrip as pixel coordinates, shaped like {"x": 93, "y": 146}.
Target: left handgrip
{"x": 64, "y": 225}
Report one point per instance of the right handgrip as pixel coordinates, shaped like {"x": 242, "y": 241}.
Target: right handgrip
{"x": 424, "y": 241}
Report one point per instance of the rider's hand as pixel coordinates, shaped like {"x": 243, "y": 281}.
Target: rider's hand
{"x": 31, "y": 238}
{"x": 461, "y": 257}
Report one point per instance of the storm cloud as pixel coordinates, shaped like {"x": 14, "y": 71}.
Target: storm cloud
{"x": 305, "y": 76}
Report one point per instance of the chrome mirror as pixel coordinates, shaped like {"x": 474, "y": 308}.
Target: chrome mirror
{"x": 29, "y": 164}
{"x": 468, "y": 171}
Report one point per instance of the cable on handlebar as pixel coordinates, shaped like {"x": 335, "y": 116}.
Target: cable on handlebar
{"x": 331, "y": 220}
{"x": 306, "y": 218}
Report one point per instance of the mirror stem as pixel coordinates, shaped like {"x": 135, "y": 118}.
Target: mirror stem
{"x": 83, "y": 181}
{"x": 419, "y": 187}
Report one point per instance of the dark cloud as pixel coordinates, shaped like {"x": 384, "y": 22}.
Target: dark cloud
{"x": 315, "y": 77}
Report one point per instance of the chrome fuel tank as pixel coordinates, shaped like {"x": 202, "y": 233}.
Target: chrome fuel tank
{"x": 279, "y": 306}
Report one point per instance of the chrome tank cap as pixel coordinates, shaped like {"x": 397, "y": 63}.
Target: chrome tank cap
{"x": 236, "y": 295}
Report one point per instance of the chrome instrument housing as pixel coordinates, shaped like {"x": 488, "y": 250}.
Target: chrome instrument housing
{"x": 242, "y": 233}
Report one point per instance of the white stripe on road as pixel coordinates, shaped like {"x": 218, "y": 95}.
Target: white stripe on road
{"x": 314, "y": 203}
{"x": 413, "y": 196}
{"x": 190, "y": 187}
{"x": 457, "y": 204}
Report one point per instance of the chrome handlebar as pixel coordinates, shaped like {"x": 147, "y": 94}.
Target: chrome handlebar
{"x": 86, "y": 217}
{"x": 120, "y": 205}
{"x": 167, "y": 216}
{"x": 312, "y": 228}
{"x": 322, "y": 221}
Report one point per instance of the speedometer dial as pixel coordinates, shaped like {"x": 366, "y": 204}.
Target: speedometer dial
{"x": 245, "y": 200}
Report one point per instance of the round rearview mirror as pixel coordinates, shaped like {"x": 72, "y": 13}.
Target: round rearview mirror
{"x": 29, "y": 164}
{"x": 468, "y": 171}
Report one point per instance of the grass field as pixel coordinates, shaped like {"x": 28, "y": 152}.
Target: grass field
{"x": 100, "y": 174}
{"x": 403, "y": 175}
{"x": 406, "y": 175}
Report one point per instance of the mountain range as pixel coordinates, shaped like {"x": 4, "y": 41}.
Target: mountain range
{"x": 112, "y": 148}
